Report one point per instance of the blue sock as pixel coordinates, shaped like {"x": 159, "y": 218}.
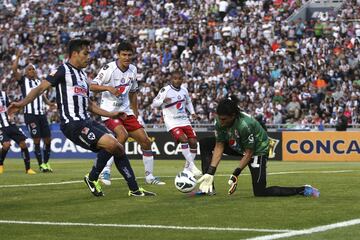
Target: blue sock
{"x": 124, "y": 167}
{"x": 100, "y": 162}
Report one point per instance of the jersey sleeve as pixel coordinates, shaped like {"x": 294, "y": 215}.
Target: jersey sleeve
{"x": 247, "y": 136}
{"x": 220, "y": 133}
{"x": 103, "y": 76}
{"x": 57, "y": 76}
{"x": 189, "y": 105}
{"x": 134, "y": 82}
{"x": 159, "y": 99}
{"x": 7, "y": 102}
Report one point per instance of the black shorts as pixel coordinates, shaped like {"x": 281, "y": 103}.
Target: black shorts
{"x": 85, "y": 133}
{"x": 38, "y": 126}
{"x": 12, "y": 132}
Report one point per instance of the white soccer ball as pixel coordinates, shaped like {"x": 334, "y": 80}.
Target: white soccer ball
{"x": 185, "y": 181}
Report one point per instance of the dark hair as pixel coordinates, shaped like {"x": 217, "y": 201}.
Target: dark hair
{"x": 177, "y": 71}
{"x": 228, "y": 106}
{"x": 76, "y": 45}
{"x": 124, "y": 46}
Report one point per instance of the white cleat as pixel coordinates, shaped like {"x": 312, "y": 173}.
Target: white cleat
{"x": 197, "y": 173}
{"x": 154, "y": 181}
{"x": 105, "y": 178}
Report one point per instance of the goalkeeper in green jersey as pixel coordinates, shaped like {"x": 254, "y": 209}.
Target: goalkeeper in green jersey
{"x": 239, "y": 134}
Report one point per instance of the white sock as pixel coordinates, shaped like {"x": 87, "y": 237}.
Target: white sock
{"x": 108, "y": 165}
{"x": 148, "y": 160}
{"x": 188, "y": 156}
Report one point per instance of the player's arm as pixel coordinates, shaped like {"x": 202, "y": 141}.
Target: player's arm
{"x": 160, "y": 99}
{"x": 207, "y": 180}
{"x": 101, "y": 88}
{"x": 15, "y": 65}
{"x": 133, "y": 102}
{"x": 34, "y": 93}
{"x": 99, "y": 111}
{"x": 190, "y": 106}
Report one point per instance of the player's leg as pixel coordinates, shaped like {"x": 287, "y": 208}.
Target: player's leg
{"x": 34, "y": 128}
{"x": 5, "y": 142}
{"x": 122, "y": 163}
{"x": 207, "y": 146}
{"x": 46, "y": 136}
{"x": 18, "y": 136}
{"x": 257, "y": 168}
{"x": 148, "y": 159}
{"x": 116, "y": 126}
{"x": 192, "y": 140}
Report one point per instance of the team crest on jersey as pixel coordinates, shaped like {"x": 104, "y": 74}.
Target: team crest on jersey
{"x": 34, "y": 131}
{"x": 106, "y": 67}
{"x": 179, "y": 97}
{"x": 80, "y": 91}
{"x": 91, "y": 136}
{"x": 122, "y": 80}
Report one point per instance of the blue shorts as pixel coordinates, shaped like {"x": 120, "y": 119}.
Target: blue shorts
{"x": 12, "y": 132}
{"x": 85, "y": 133}
{"x": 38, "y": 126}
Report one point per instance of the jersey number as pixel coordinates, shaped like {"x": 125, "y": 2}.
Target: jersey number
{"x": 255, "y": 163}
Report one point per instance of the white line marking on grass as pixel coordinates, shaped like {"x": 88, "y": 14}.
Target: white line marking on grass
{"x": 145, "y": 226}
{"x": 220, "y": 175}
{"x": 309, "y": 230}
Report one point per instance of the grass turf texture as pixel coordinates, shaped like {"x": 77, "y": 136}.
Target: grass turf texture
{"x": 73, "y": 203}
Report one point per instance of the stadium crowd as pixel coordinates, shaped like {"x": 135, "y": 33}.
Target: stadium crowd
{"x": 299, "y": 73}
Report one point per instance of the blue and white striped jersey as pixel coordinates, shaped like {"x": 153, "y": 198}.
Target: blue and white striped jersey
{"x": 72, "y": 93}
{"x": 35, "y": 107}
{"x": 4, "y": 103}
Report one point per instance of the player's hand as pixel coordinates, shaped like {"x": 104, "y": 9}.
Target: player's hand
{"x": 114, "y": 91}
{"x": 195, "y": 116}
{"x": 206, "y": 185}
{"x": 233, "y": 181}
{"x": 167, "y": 100}
{"x": 121, "y": 115}
{"x": 14, "y": 107}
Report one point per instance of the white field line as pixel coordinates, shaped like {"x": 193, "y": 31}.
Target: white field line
{"x": 144, "y": 226}
{"x": 220, "y": 175}
{"x": 309, "y": 230}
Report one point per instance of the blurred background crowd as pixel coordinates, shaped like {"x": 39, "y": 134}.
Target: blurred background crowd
{"x": 294, "y": 73}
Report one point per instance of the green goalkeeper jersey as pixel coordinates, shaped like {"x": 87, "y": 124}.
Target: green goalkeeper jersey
{"x": 245, "y": 133}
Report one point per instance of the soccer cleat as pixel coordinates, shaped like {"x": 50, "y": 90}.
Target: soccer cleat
{"x": 105, "y": 178}
{"x": 30, "y": 171}
{"x": 197, "y": 173}
{"x": 43, "y": 168}
{"x": 141, "y": 193}
{"x": 94, "y": 186}
{"x": 310, "y": 191}
{"x": 200, "y": 193}
{"x": 48, "y": 167}
{"x": 1, "y": 169}
{"x": 233, "y": 184}
{"x": 154, "y": 181}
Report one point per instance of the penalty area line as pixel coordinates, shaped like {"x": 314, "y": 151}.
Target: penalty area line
{"x": 308, "y": 231}
{"x": 71, "y": 224}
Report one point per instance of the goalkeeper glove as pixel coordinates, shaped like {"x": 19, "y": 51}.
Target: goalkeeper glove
{"x": 233, "y": 181}
{"x": 233, "y": 184}
{"x": 206, "y": 185}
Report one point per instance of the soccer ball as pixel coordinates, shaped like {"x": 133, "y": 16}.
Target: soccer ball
{"x": 185, "y": 181}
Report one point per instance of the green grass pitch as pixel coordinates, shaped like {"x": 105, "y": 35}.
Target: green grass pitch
{"x": 54, "y": 205}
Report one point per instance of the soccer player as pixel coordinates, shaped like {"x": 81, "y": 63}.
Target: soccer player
{"x": 10, "y": 131}
{"x": 72, "y": 95}
{"x": 118, "y": 86}
{"x": 245, "y": 136}
{"x": 174, "y": 101}
{"x": 34, "y": 113}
